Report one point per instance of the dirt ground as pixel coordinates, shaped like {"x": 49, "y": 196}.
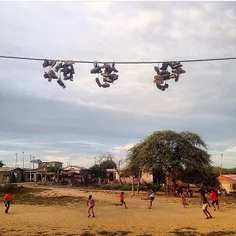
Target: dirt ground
{"x": 167, "y": 217}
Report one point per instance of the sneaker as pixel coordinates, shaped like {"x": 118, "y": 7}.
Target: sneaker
{"x": 46, "y": 76}
{"x": 106, "y": 79}
{"x": 59, "y": 66}
{"x": 45, "y": 63}
{"x": 164, "y": 66}
{"x": 52, "y": 75}
{"x": 52, "y": 63}
{"x": 113, "y": 77}
{"x": 181, "y": 71}
{"x": 106, "y": 85}
{"x": 113, "y": 67}
{"x": 177, "y": 78}
{"x": 60, "y": 82}
{"x": 68, "y": 77}
{"x": 176, "y": 65}
{"x": 98, "y": 82}
{"x": 157, "y": 70}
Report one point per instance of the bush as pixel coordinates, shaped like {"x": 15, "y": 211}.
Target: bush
{"x": 12, "y": 188}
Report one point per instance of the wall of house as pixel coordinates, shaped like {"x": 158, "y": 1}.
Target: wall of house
{"x": 227, "y": 183}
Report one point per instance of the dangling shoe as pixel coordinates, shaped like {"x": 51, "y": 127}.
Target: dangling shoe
{"x": 60, "y": 82}
{"x": 162, "y": 88}
{"x": 113, "y": 67}
{"x": 52, "y": 75}
{"x": 180, "y": 70}
{"x": 52, "y": 63}
{"x": 106, "y": 85}
{"x": 68, "y": 77}
{"x": 46, "y": 76}
{"x": 176, "y": 65}
{"x": 113, "y": 77}
{"x": 157, "y": 70}
{"x": 164, "y": 66}
{"x": 177, "y": 77}
{"x": 106, "y": 79}
{"x": 166, "y": 86}
{"x": 45, "y": 63}
{"x": 98, "y": 82}
{"x": 59, "y": 66}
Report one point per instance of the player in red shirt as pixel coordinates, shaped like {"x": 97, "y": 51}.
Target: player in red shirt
{"x": 7, "y": 201}
{"x": 122, "y": 197}
{"x": 214, "y": 198}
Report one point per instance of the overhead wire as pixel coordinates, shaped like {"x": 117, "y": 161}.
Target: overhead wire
{"x": 120, "y": 62}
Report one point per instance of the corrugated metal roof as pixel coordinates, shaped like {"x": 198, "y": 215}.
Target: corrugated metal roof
{"x": 5, "y": 169}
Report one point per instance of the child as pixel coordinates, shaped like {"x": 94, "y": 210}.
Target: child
{"x": 205, "y": 204}
{"x": 90, "y": 205}
{"x": 151, "y": 198}
{"x": 214, "y": 198}
{"x": 122, "y": 197}
{"x": 184, "y": 200}
{"x": 7, "y": 201}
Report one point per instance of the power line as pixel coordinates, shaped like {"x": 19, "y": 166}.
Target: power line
{"x": 121, "y": 62}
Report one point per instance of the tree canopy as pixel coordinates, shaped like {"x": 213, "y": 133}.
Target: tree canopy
{"x": 169, "y": 152}
{"x": 1, "y": 164}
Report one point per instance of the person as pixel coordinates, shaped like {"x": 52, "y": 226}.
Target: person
{"x": 205, "y": 204}
{"x": 214, "y": 198}
{"x": 150, "y": 198}
{"x": 90, "y": 205}
{"x": 7, "y": 201}
{"x": 184, "y": 200}
{"x": 122, "y": 197}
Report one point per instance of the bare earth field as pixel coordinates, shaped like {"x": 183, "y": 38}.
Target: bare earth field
{"x": 167, "y": 217}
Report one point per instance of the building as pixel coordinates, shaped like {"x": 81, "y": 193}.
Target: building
{"x": 55, "y": 164}
{"x": 11, "y": 175}
{"x": 227, "y": 182}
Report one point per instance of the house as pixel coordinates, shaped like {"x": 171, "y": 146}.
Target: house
{"x": 76, "y": 175}
{"x": 11, "y": 175}
{"x": 55, "y": 164}
{"x": 227, "y": 182}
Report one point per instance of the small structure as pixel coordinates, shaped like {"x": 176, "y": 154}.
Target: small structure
{"x": 55, "y": 164}
{"x": 227, "y": 182}
{"x": 112, "y": 175}
{"x": 76, "y": 175}
{"x": 11, "y": 175}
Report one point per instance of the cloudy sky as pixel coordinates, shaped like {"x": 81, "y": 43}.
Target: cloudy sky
{"x": 81, "y": 122}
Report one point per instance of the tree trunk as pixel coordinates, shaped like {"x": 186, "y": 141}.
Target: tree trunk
{"x": 119, "y": 177}
{"x": 138, "y": 186}
{"x": 132, "y": 186}
{"x": 174, "y": 186}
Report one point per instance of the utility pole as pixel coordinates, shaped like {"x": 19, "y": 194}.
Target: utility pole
{"x": 23, "y": 160}
{"x": 30, "y": 168}
{"x": 16, "y": 161}
{"x": 221, "y": 164}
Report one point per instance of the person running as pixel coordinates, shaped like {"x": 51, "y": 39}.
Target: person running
{"x": 151, "y": 197}
{"x": 122, "y": 197}
{"x": 205, "y": 204}
{"x": 184, "y": 200}
{"x": 90, "y": 205}
{"x": 214, "y": 198}
{"x": 7, "y": 201}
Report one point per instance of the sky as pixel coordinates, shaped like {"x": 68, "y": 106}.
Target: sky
{"x": 77, "y": 124}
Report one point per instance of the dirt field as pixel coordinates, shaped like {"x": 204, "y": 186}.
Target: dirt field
{"x": 167, "y": 217}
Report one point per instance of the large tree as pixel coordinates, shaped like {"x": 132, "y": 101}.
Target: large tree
{"x": 1, "y": 164}
{"x": 169, "y": 152}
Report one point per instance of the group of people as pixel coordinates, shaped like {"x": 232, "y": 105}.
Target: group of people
{"x": 107, "y": 71}
{"x": 151, "y": 196}
{"x": 56, "y": 69}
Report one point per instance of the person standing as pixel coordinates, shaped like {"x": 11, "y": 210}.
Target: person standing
{"x": 7, "y": 201}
